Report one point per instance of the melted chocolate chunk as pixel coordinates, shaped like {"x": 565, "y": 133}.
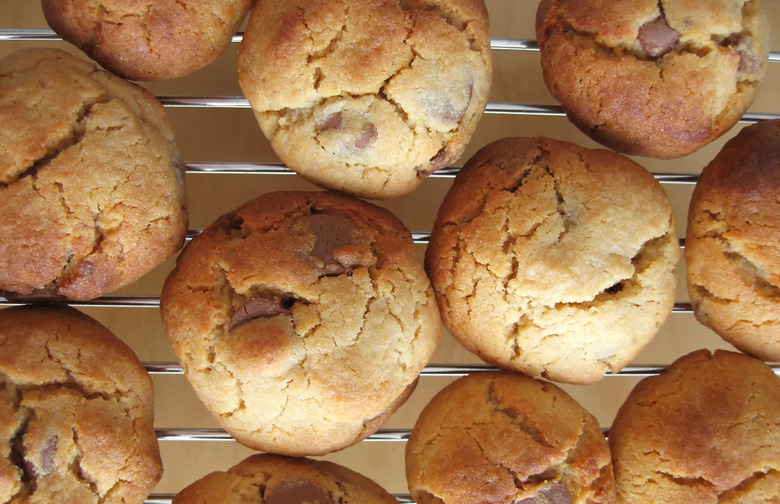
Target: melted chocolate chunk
{"x": 332, "y": 232}
{"x": 255, "y": 308}
{"x": 554, "y": 494}
{"x": 302, "y": 492}
{"x": 367, "y": 138}
{"x": 657, "y": 38}
{"x": 332, "y": 122}
{"x": 439, "y": 160}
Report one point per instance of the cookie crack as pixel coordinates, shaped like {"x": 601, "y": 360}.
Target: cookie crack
{"x": 73, "y": 138}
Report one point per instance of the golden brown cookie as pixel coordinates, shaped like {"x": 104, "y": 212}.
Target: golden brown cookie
{"x": 91, "y": 185}
{"x": 148, "y": 41}
{"x": 302, "y": 320}
{"x": 707, "y": 430}
{"x": 367, "y": 97}
{"x": 732, "y": 248}
{"x": 552, "y": 259}
{"x": 506, "y": 438}
{"x": 274, "y": 479}
{"x": 76, "y": 411}
{"x": 651, "y": 78}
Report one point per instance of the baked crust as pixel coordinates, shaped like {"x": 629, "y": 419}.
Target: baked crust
{"x": 367, "y": 97}
{"x": 302, "y": 320}
{"x": 705, "y": 430}
{"x": 551, "y": 259}
{"x": 275, "y": 479}
{"x": 636, "y": 97}
{"x": 92, "y": 190}
{"x": 76, "y": 411}
{"x": 732, "y": 248}
{"x": 507, "y": 438}
{"x": 148, "y": 41}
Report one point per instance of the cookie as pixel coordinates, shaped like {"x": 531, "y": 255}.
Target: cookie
{"x": 92, "y": 191}
{"x": 302, "y": 320}
{"x": 76, "y": 411}
{"x": 275, "y": 479}
{"x": 506, "y": 438}
{"x": 148, "y": 41}
{"x": 555, "y": 260}
{"x": 657, "y": 79}
{"x": 705, "y": 430}
{"x": 367, "y": 97}
{"x": 732, "y": 245}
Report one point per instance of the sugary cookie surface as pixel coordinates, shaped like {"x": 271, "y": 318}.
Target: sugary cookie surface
{"x": 148, "y": 41}
{"x": 706, "y": 430}
{"x": 367, "y": 97}
{"x": 76, "y": 412}
{"x": 302, "y": 320}
{"x": 732, "y": 247}
{"x": 274, "y": 479}
{"x": 545, "y": 262}
{"x": 91, "y": 185}
{"x": 507, "y": 438}
{"x": 651, "y": 78}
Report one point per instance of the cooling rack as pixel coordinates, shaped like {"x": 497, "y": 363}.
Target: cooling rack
{"x": 521, "y": 103}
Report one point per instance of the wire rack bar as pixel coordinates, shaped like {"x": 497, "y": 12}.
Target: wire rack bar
{"x": 492, "y": 108}
{"x": 243, "y": 168}
{"x": 496, "y": 43}
{"x": 446, "y": 370}
{"x": 162, "y": 498}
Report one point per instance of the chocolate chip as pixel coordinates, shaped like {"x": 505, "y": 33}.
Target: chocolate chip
{"x": 657, "y": 38}
{"x": 554, "y": 494}
{"x": 259, "y": 307}
{"x": 742, "y": 46}
{"x": 367, "y": 138}
{"x": 440, "y": 160}
{"x": 300, "y": 492}
{"x": 614, "y": 289}
{"x": 332, "y": 122}
{"x": 331, "y": 233}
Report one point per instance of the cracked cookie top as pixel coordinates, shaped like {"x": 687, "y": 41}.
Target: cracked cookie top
{"x": 274, "y": 479}
{"x": 705, "y": 430}
{"x": 91, "y": 185}
{"x": 506, "y": 438}
{"x": 301, "y": 319}
{"x": 653, "y": 78}
{"x": 732, "y": 247}
{"x": 552, "y": 259}
{"x": 76, "y": 411}
{"x": 367, "y": 97}
{"x": 148, "y": 41}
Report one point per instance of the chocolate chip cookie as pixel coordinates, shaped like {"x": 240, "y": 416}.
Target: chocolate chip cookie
{"x": 76, "y": 411}
{"x": 275, "y": 479}
{"x": 658, "y": 79}
{"x": 555, "y": 260}
{"x": 302, "y": 320}
{"x": 148, "y": 41}
{"x": 732, "y": 247}
{"x": 367, "y": 97}
{"x": 92, "y": 192}
{"x": 705, "y": 430}
{"x": 506, "y": 438}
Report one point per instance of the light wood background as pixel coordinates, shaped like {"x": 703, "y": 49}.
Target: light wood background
{"x": 209, "y": 134}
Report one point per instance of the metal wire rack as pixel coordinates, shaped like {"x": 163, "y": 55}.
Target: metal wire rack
{"x": 420, "y": 237}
